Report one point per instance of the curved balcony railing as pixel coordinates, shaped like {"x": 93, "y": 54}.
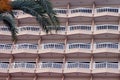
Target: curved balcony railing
{"x": 107, "y": 45}
{"x": 79, "y": 27}
{"x": 29, "y": 28}
{"x": 78, "y": 65}
{"x": 5, "y": 46}
{"x": 23, "y": 65}
{"x": 4, "y": 65}
{"x": 106, "y": 65}
{"x": 107, "y": 27}
{"x": 26, "y": 46}
{"x": 107, "y": 9}
{"x": 60, "y": 11}
{"x": 50, "y": 65}
{"x": 79, "y": 45}
{"x": 3, "y": 28}
{"x": 58, "y": 46}
{"x": 81, "y": 10}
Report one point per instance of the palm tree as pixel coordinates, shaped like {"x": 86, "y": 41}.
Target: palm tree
{"x": 41, "y": 9}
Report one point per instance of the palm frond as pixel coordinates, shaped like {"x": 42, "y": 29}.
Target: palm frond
{"x": 44, "y": 13}
{"x": 9, "y": 22}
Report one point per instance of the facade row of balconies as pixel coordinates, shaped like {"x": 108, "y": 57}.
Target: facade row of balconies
{"x": 88, "y": 12}
{"x": 111, "y": 47}
{"x": 73, "y": 29}
{"x": 59, "y": 67}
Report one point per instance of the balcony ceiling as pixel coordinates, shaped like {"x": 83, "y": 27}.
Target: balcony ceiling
{"x": 63, "y": 3}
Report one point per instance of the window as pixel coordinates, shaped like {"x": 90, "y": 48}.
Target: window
{"x": 107, "y": 10}
{"x": 80, "y": 27}
{"x": 82, "y": 10}
{"x": 107, "y": 45}
{"x": 79, "y": 45}
{"x": 54, "y": 45}
{"x": 51, "y": 65}
{"x": 109, "y": 27}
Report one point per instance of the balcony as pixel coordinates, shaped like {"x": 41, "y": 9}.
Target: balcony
{"x": 49, "y": 67}
{"x": 87, "y": 12}
{"x": 25, "y": 67}
{"x": 106, "y": 29}
{"x": 28, "y": 30}
{"x": 52, "y": 48}
{"x": 106, "y": 67}
{"x": 6, "y": 48}
{"x": 106, "y": 47}
{"x": 61, "y": 12}
{"x": 20, "y": 14}
{"x": 77, "y": 67}
{"x": 60, "y": 31}
{"x": 25, "y": 48}
{"x": 106, "y": 11}
{"x": 78, "y": 48}
{"x": 79, "y": 29}
{"x": 4, "y": 31}
{"x": 4, "y": 67}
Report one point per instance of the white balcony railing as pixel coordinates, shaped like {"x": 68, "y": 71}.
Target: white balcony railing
{"x": 5, "y": 46}
{"x": 79, "y": 46}
{"x": 4, "y": 65}
{"x": 26, "y": 46}
{"x": 81, "y": 10}
{"x": 29, "y": 28}
{"x": 35, "y": 30}
{"x": 4, "y": 30}
{"x": 106, "y": 65}
{"x": 79, "y": 27}
{"x": 60, "y": 11}
{"x": 107, "y": 27}
{"x": 107, "y": 9}
{"x": 50, "y": 65}
{"x": 110, "y": 45}
{"x": 23, "y": 65}
{"x": 78, "y": 65}
{"x": 58, "y": 46}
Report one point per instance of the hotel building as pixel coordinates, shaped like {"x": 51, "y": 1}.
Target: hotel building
{"x": 86, "y": 47}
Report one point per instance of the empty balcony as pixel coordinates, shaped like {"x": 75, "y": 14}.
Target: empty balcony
{"x": 20, "y": 14}
{"x": 78, "y": 48}
{"x": 77, "y": 67}
{"x": 106, "y": 47}
{"x": 106, "y": 67}
{"x": 19, "y": 67}
{"x": 106, "y": 29}
{"x": 6, "y": 48}
{"x": 25, "y": 48}
{"x": 61, "y": 12}
{"x": 106, "y": 11}
{"x": 4, "y": 31}
{"x": 79, "y": 30}
{"x": 87, "y": 12}
{"x": 52, "y": 48}
{"x": 4, "y": 66}
{"x": 49, "y": 67}
{"x": 28, "y": 30}
{"x": 60, "y": 31}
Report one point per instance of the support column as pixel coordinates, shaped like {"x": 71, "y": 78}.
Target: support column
{"x": 35, "y": 78}
{"x": 91, "y": 77}
{"x": 11, "y": 61}
{"x": 68, "y": 11}
{"x": 119, "y": 34}
{"x": 63, "y": 77}
{"x": 9, "y": 77}
{"x": 39, "y": 44}
{"x": 93, "y": 9}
